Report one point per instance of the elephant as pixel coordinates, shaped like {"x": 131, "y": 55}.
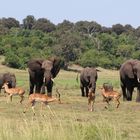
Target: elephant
{"x": 9, "y": 78}
{"x": 130, "y": 78}
{"x": 41, "y": 74}
{"x": 88, "y": 78}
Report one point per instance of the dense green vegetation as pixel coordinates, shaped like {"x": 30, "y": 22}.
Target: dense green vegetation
{"x": 85, "y": 43}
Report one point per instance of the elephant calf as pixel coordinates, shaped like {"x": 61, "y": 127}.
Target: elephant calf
{"x": 9, "y": 78}
{"x": 88, "y": 78}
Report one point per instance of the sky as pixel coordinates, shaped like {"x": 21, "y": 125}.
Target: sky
{"x": 104, "y": 12}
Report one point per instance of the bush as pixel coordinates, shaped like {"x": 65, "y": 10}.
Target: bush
{"x": 21, "y": 56}
{"x": 89, "y": 58}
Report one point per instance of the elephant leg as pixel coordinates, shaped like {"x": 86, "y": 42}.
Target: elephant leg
{"x": 31, "y": 87}
{"x": 124, "y": 92}
{"x": 49, "y": 88}
{"x": 129, "y": 93}
{"x": 138, "y": 95}
{"x": 38, "y": 88}
{"x": 82, "y": 90}
{"x": 32, "y": 82}
{"x": 43, "y": 89}
{"x": 39, "y": 84}
{"x": 87, "y": 91}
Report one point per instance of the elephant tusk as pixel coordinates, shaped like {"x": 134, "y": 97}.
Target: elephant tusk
{"x": 44, "y": 79}
{"x": 52, "y": 79}
{"x": 138, "y": 80}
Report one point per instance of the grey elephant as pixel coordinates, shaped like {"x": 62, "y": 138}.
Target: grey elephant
{"x": 41, "y": 74}
{"x": 130, "y": 78}
{"x": 8, "y": 77}
{"x": 88, "y": 78}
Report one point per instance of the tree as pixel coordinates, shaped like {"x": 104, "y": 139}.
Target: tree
{"x": 28, "y": 22}
{"x": 125, "y": 51}
{"x": 3, "y": 30}
{"x": 44, "y": 25}
{"x": 106, "y": 30}
{"x": 128, "y": 29}
{"x": 86, "y": 27}
{"x": 9, "y": 22}
{"x": 137, "y": 32}
{"x": 108, "y": 43}
{"x": 118, "y": 29}
{"x": 65, "y": 25}
{"x": 68, "y": 48}
{"x": 90, "y": 58}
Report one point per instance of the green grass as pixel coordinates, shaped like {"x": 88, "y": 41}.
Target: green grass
{"x": 72, "y": 120}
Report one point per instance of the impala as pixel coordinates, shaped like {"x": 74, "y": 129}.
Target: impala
{"x": 43, "y": 98}
{"x": 109, "y": 95}
{"x": 14, "y": 91}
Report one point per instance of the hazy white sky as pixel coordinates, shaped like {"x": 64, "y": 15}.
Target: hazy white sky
{"x": 105, "y": 12}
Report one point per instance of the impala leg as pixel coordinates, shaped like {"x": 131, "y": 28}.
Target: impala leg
{"x": 91, "y": 100}
{"x": 107, "y": 103}
{"x": 33, "y": 105}
{"x": 91, "y": 105}
{"x": 118, "y": 103}
{"x": 26, "y": 107}
{"x": 22, "y": 98}
{"x": 9, "y": 98}
{"x": 50, "y": 110}
{"x": 41, "y": 108}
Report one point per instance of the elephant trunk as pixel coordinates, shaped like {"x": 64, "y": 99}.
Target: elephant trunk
{"x": 48, "y": 77}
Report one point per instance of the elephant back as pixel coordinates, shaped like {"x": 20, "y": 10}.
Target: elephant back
{"x": 127, "y": 68}
{"x": 88, "y": 73}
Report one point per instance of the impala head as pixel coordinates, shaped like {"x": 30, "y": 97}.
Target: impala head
{"x": 108, "y": 87}
{"x": 5, "y": 85}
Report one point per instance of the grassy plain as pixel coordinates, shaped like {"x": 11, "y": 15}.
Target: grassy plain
{"x": 72, "y": 120}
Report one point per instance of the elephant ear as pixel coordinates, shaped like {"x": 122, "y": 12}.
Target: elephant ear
{"x": 136, "y": 68}
{"x": 129, "y": 68}
{"x": 35, "y": 64}
{"x": 56, "y": 66}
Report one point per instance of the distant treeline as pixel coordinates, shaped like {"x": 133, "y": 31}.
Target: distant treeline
{"x": 85, "y": 43}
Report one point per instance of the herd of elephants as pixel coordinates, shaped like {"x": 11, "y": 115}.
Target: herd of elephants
{"x": 42, "y": 72}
